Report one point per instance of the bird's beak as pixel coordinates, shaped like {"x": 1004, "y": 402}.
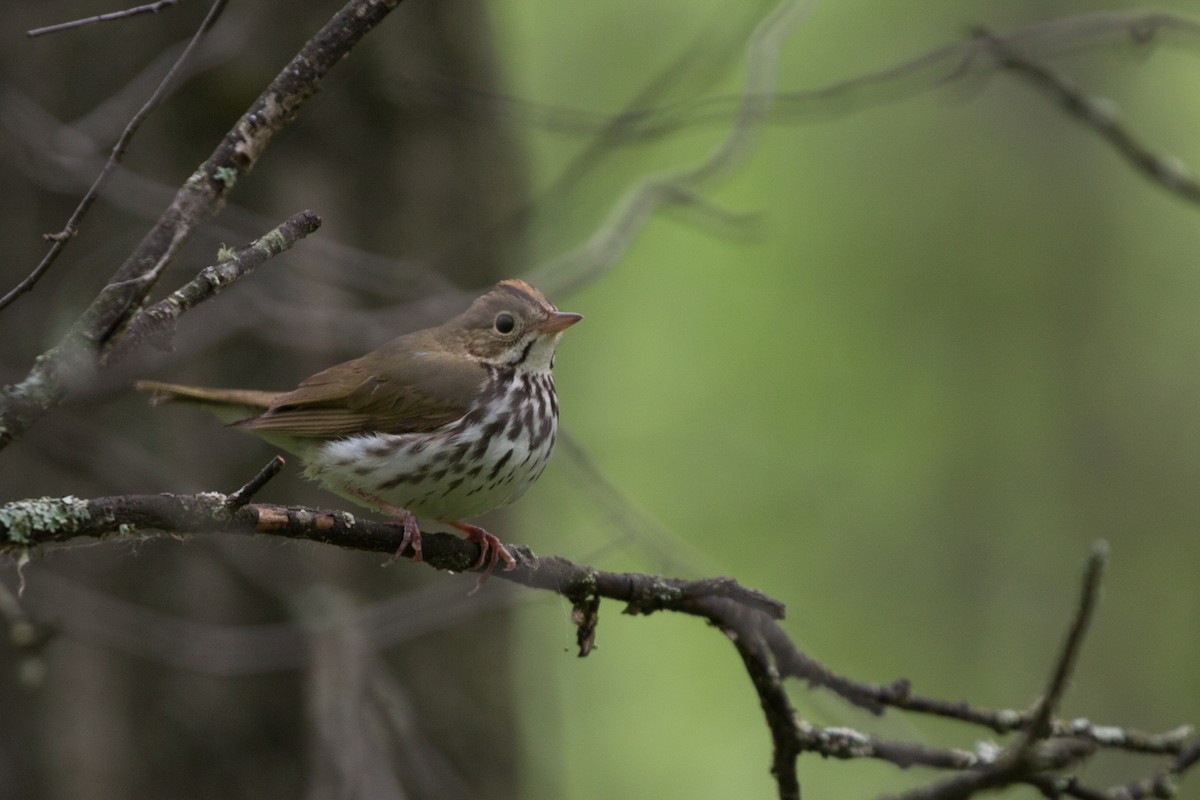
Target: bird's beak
{"x": 558, "y": 321}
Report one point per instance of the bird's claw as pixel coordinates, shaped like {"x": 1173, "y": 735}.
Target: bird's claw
{"x": 491, "y": 551}
{"x": 412, "y": 537}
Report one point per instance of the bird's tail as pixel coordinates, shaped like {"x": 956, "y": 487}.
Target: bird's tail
{"x": 230, "y": 405}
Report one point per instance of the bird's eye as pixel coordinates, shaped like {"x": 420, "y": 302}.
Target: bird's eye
{"x": 505, "y": 322}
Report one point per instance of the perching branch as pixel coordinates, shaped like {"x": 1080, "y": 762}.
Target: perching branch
{"x": 1042, "y": 755}
{"x": 57, "y": 372}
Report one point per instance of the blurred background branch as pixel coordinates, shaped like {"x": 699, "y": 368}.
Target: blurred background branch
{"x": 148, "y": 8}
{"x": 54, "y": 374}
{"x": 60, "y": 239}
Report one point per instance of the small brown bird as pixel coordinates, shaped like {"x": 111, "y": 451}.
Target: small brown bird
{"x": 445, "y": 423}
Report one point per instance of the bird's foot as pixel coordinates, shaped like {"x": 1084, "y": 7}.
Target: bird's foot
{"x": 412, "y": 536}
{"x": 491, "y": 550}
{"x": 412, "y": 531}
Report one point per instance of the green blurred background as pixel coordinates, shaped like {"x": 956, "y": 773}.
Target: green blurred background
{"x": 957, "y": 345}
{"x": 929, "y": 347}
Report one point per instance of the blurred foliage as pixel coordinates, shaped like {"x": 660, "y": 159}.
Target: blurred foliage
{"x": 956, "y": 344}
{"x": 933, "y": 349}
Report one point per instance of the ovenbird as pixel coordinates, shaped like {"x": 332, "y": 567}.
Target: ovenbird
{"x": 445, "y": 423}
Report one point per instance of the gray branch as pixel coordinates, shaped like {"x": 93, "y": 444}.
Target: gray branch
{"x": 63, "y": 368}
{"x": 1042, "y": 755}
{"x": 156, "y": 324}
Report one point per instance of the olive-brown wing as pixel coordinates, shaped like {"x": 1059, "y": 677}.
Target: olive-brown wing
{"x": 399, "y": 388}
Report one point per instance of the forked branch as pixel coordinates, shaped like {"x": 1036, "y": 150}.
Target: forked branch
{"x": 1043, "y": 754}
{"x": 57, "y": 372}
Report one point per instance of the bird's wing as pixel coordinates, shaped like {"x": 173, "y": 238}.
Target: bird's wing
{"x": 395, "y": 389}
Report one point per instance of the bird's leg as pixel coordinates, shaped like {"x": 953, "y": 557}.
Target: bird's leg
{"x": 487, "y": 542}
{"x": 412, "y": 535}
{"x": 412, "y": 532}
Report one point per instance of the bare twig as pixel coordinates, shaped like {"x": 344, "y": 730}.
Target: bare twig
{"x": 156, "y": 324}
{"x": 929, "y": 70}
{"x": 1162, "y": 783}
{"x": 760, "y": 104}
{"x": 747, "y": 617}
{"x": 777, "y": 709}
{"x": 1099, "y": 114}
{"x": 631, "y": 212}
{"x": 946, "y": 65}
{"x": 1032, "y": 757}
{"x": 242, "y": 496}
{"x": 1041, "y": 724}
{"x": 56, "y": 373}
{"x": 1044, "y": 758}
{"x": 149, "y": 8}
{"x": 59, "y": 240}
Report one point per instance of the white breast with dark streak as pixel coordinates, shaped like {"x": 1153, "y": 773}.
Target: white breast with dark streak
{"x": 483, "y": 460}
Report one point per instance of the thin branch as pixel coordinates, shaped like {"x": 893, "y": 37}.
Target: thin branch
{"x": 1046, "y": 757}
{"x": 59, "y": 240}
{"x": 943, "y": 66}
{"x": 1040, "y": 726}
{"x": 777, "y": 709}
{"x": 149, "y": 8}
{"x": 242, "y": 496}
{"x": 759, "y": 104}
{"x": 640, "y": 201}
{"x": 1100, "y": 115}
{"x": 1031, "y": 756}
{"x": 1162, "y": 783}
{"x": 59, "y": 371}
{"x": 747, "y": 617}
{"x": 156, "y": 324}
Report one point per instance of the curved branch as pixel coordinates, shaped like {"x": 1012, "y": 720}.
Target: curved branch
{"x": 28, "y": 524}
{"x": 59, "y": 240}
{"x": 1100, "y": 115}
{"x": 749, "y": 618}
{"x": 58, "y": 371}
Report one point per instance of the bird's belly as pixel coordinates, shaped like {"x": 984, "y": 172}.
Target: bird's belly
{"x": 456, "y": 472}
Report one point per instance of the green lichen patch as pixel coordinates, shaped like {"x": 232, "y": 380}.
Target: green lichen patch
{"x": 273, "y": 242}
{"x": 226, "y": 175}
{"x": 23, "y": 520}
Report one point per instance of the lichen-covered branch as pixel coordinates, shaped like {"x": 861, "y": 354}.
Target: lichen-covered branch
{"x": 1043, "y": 754}
{"x": 57, "y": 372}
{"x": 156, "y": 325}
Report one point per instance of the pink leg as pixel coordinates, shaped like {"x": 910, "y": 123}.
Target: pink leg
{"x": 412, "y": 536}
{"x": 487, "y": 543}
{"x": 412, "y": 532}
